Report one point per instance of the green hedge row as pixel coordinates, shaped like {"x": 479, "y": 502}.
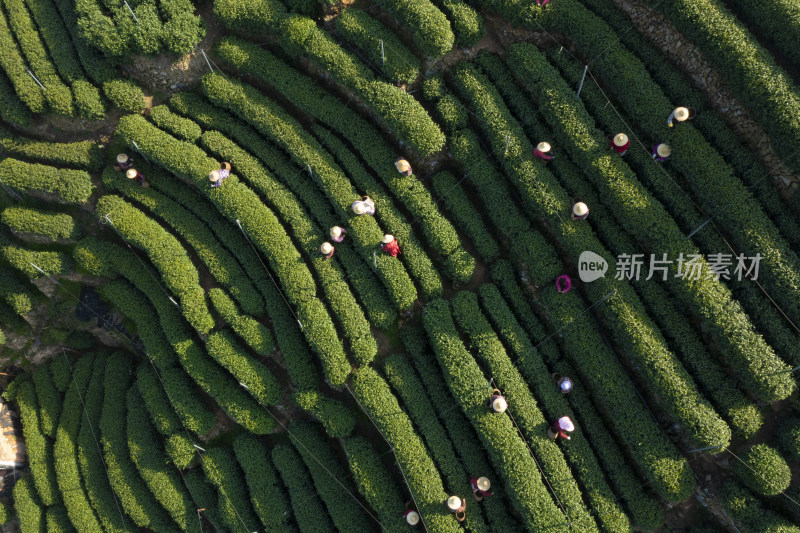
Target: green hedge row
{"x": 305, "y": 93}
{"x": 330, "y": 478}
{"x": 711, "y": 180}
{"x": 789, "y": 438}
{"x": 57, "y": 95}
{"x": 753, "y": 74}
{"x": 186, "y": 402}
{"x": 12, "y": 109}
{"x": 255, "y": 334}
{"x": 414, "y": 255}
{"x": 61, "y": 371}
{"x": 449, "y": 110}
{"x": 679, "y": 87}
{"x": 467, "y": 23}
{"x": 49, "y": 400}
{"x": 374, "y": 483}
{"x": 337, "y": 419}
{"x": 469, "y": 218}
{"x": 522, "y": 480}
{"x": 90, "y": 459}
{"x": 309, "y": 512}
{"x": 221, "y": 264}
{"x": 237, "y": 202}
{"x": 406, "y": 383}
{"x": 18, "y": 295}
{"x": 251, "y": 16}
{"x": 204, "y": 495}
{"x": 179, "y": 274}
{"x": 28, "y": 507}
{"x": 354, "y": 323}
{"x": 37, "y": 447}
{"x": 6, "y": 513}
{"x": 271, "y": 120}
{"x": 758, "y": 307}
{"x": 471, "y": 452}
{"x": 378, "y": 42}
{"x": 266, "y": 490}
{"x": 52, "y": 226}
{"x": 68, "y": 186}
{"x": 97, "y": 67}
{"x": 423, "y": 480}
{"x": 380, "y": 310}
{"x": 564, "y": 469}
{"x": 153, "y": 465}
{"x": 23, "y": 259}
{"x": 102, "y": 258}
{"x": 86, "y": 155}
{"x": 287, "y": 332}
{"x": 429, "y": 27}
{"x": 257, "y": 378}
{"x": 222, "y": 470}
{"x": 134, "y": 495}
{"x": 58, "y": 520}
{"x": 125, "y": 95}
{"x": 749, "y": 513}
{"x": 765, "y": 471}
{"x": 135, "y": 306}
{"x": 777, "y": 21}
{"x": 14, "y": 65}
{"x": 55, "y": 35}
{"x": 180, "y": 127}
{"x": 708, "y": 297}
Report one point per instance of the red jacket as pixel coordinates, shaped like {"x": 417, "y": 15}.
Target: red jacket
{"x": 391, "y": 248}
{"x": 620, "y": 149}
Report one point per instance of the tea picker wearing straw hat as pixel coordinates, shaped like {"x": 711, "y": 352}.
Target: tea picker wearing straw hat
{"x": 542, "y": 151}
{"x": 480, "y": 488}
{"x": 327, "y": 250}
{"x": 124, "y": 162}
{"x": 133, "y": 174}
{"x": 390, "y": 246}
{"x": 411, "y": 516}
{"x": 218, "y": 176}
{"x": 457, "y": 506}
{"x": 620, "y": 143}
{"x": 365, "y": 206}
{"x": 497, "y": 402}
{"x": 661, "y": 152}
{"x": 561, "y": 428}
{"x": 338, "y": 233}
{"x": 579, "y": 210}
{"x": 403, "y": 166}
{"x": 681, "y": 114}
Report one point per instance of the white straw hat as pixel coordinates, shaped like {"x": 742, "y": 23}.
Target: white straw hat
{"x": 359, "y": 208}
{"x": 121, "y": 158}
{"x": 131, "y": 173}
{"x": 499, "y": 404}
{"x": 402, "y": 165}
{"x": 387, "y": 239}
{"x": 543, "y": 147}
{"x": 663, "y": 150}
{"x": 326, "y": 248}
{"x": 620, "y": 139}
{"x": 214, "y": 175}
{"x": 580, "y": 209}
{"x": 483, "y": 483}
{"x": 566, "y": 385}
{"x": 681, "y": 114}
{"x": 412, "y": 518}
{"x": 566, "y": 424}
{"x": 453, "y": 503}
{"x": 336, "y": 231}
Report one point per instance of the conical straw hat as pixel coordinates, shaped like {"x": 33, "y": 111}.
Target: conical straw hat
{"x": 681, "y": 114}
{"x": 499, "y": 404}
{"x": 214, "y": 175}
{"x": 484, "y": 484}
{"x": 336, "y": 231}
{"x": 620, "y": 139}
{"x": 387, "y": 239}
{"x": 412, "y": 518}
{"x": 543, "y": 147}
{"x": 402, "y": 165}
{"x": 359, "y": 208}
{"x": 131, "y": 173}
{"x": 453, "y": 503}
{"x": 663, "y": 150}
{"x": 580, "y": 209}
{"x": 121, "y": 158}
{"x": 566, "y": 424}
{"x": 326, "y": 248}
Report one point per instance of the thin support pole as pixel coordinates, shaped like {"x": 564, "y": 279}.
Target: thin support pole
{"x": 701, "y": 226}
{"x": 585, "y": 69}
{"x": 140, "y": 151}
{"x": 34, "y": 78}
{"x": 374, "y": 259}
{"x": 206, "y": 58}
{"x": 508, "y": 140}
{"x": 383, "y": 56}
{"x": 131, "y": 10}
{"x": 704, "y": 449}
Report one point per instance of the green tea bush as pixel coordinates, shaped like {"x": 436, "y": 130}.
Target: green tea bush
{"x": 15, "y": 67}
{"x": 467, "y": 23}
{"x": 748, "y": 511}
{"x": 180, "y": 127}
{"x": 20, "y": 297}
{"x": 6, "y": 513}
{"x": 38, "y": 448}
{"x": 86, "y": 155}
{"x": 764, "y": 471}
{"x": 254, "y": 333}
{"x": 257, "y": 378}
{"x": 428, "y": 26}
{"x": 125, "y": 95}
{"x": 64, "y": 185}
{"x": 309, "y": 512}
{"x": 337, "y": 419}
{"x": 12, "y": 110}
{"x": 49, "y": 400}
{"x": 88, "y": 102}
{"x": 29, "y": 509}
{"x": 23, "y": 259}
{"x": 222, "y": 470}
{"x": 53, "y": 226}
{"x": 58, "y": 520}
{"x": 789, "y": 438}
